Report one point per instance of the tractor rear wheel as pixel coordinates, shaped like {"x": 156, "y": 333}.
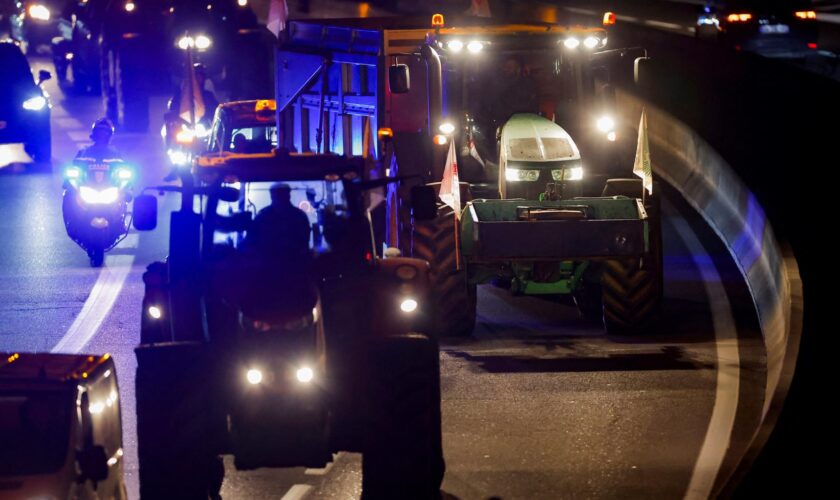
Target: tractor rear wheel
{"x": 453, "y": 307}
{"x": 632, "y": 289}
{"x": 404, "y": 459}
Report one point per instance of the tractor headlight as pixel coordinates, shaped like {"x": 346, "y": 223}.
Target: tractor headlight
{"x": 203, "y": 42}
{"x": 186, "y": 42}
{"x": 455, "y": 45}
{"x": 567, "y": 174}
{"x": 605, "y": 124}
{"x": 590, "y": 42}
{"x": 571, "y": 43}
{"x": 305, "y": 374}
{"x": 408, "y": 305}
{"x": 475, "y": 47}
{"x": 254, "y": 376}
{"x": 521, "y": 174}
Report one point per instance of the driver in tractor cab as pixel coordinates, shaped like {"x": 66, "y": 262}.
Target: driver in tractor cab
{"x": 515, "y": 92}
{"x": 280, "y": 230}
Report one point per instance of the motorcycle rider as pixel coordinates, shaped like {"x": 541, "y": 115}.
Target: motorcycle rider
{"x": 101, "y": 150}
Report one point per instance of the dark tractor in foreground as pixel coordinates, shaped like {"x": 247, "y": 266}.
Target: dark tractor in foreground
{"x": 277, "y": 360}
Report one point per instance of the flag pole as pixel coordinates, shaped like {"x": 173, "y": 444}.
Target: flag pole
{"x": 457, "y": 242}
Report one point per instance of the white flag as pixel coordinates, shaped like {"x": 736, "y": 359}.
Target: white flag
{"x": 278, "y": 13}
{"x": 641, "y": 166}
{"x": 450, "y": 189}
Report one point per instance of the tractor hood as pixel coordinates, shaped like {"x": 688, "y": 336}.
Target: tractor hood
{"x": 529, "y": 138}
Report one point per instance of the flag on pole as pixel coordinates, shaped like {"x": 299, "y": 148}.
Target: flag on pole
{"x": 374, "y": 196}
{"x": 278, "y": 13}
{"x": 192, "y": 100}
{"x": 641, "y": 166}
{"x": 450, "y": 189}
{"x": 480, "y": 8}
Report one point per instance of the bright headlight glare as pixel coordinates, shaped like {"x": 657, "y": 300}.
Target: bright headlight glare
{"x": 612, "y": 136}
{"x": 519, "y": 174}
{"x": 254, "y": 376}
{"x": 202, "y": 42}
{"x": 571, "y": 43}
{"x": 590, "y": 42}
{"x": 93, "y": 197}
{"x": 455, "y": 45}
{"x": 446, "y": 128}
{"x": 186, "y": 42}
{"x": 201, "y": 131}
{"x": 184, "y": 136}
{"x": 124, "y": 174}
{"x": 605, "y": 124}
{"x": 36, "y": 103}
{"x": 178, "y": 157}
{"x": 39, "y": 12}
{"x": 242, "y": 3}
{"x": 475, "y": 47}
{"x": 304, "y": 374}
{"x": 408, "y": 305}
{"x": 129, "y": 7}
{"x": 72, "y": 173}
{"x": 155, "y": 312}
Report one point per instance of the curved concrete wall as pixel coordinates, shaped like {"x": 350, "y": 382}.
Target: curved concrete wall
{"x": 709, "y": 184}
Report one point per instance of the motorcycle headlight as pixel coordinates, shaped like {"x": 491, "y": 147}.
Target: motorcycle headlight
{"x": 521, "y": 174}
{"x": 567, "y": 174}
{"x": 93, "y": 197}
{"x": 72, "y": 173}
{"x": 36, "y": 103}
{"x": 124, "y": 173}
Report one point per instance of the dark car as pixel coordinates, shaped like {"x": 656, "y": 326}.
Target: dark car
{"x": 24, "y": 106}
{"x": 771, "y": 28}
{"x": 40, "y": 24}
{"x": 11, "y": 20}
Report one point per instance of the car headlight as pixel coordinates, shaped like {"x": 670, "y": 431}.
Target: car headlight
{"x": 520, "y": 174}
{"x": 605, "y": 124}
{"x": 93, "y": 197}
{"x": 39, "y": 12}
{"x": 36, "y": 103}
{"x": 567, "y": 174}
{"x": 203, "y": 42}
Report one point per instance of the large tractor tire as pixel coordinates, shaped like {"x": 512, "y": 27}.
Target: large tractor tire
{"x": 180, "y": 428}
{"x": 404, "y": 459}
{"x": 453, "y": 307}
{"x": 632, "y": 289}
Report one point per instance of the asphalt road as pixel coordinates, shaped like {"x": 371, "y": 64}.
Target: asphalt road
{"x": 538, "y": 404}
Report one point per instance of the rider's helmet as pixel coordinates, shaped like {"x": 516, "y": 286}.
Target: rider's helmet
{"x": 102, "y": 124}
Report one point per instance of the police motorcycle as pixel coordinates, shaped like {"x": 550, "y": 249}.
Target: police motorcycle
{"x": 95, "y": 204}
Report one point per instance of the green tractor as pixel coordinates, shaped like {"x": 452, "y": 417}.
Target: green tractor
{"x": 542, "y": 238}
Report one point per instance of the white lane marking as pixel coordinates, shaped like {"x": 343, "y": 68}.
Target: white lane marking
{"x": 297, "y": 492}
{"x": 111, "y": 279}
{"x": 69, "y": 123}
{"x": 79, "y": 135}
{"x": 719, "y": 431}
{"x": 664, "y": 25}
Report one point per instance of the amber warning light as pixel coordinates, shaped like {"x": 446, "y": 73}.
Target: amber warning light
{"x": 437, "y": 21}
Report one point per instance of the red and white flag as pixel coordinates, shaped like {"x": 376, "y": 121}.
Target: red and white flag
{"x": 278, "y": 14}
{"x": 192, "y": 99}
{"x": 450, "y": 190}
{"x": 641, "y": 166}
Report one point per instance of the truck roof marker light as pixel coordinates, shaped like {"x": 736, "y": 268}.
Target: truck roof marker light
{"x": 806, "y": 14}
{"x": 437, "y": 21}
{"x": 609, "y": 19}
{"x": 741, "y": 17}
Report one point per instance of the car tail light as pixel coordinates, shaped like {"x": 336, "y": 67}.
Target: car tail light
{"x": 806, "y": 14}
